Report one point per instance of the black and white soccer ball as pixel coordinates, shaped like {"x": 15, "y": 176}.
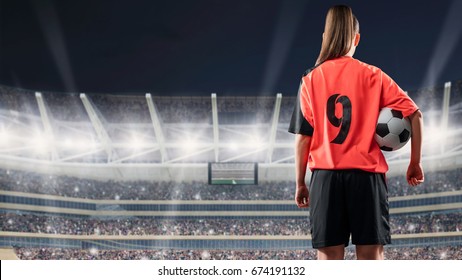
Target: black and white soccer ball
{"x": 392, "y": 131}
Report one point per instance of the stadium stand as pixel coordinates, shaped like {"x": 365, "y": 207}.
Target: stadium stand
{"x": 411, "y": 253}
{"x": 30, "y": 222}
{"x": 11, "y": 180}
{"x": 67, "y": 216}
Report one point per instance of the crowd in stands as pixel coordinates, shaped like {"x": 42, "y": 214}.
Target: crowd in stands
{"x": 141, "y": 190}
{"x": 22, "y": 181}
{"x": 149, "y": 226}
{"x": 122, "y": 108}
{"x": 184, "y": 109}
{"x": 436, "y": 181}
{"x": 456, "y": 92}
{"x": 287, "y": 108}
{"x": 65, "y": 107}
{"x": 430, "y": 98}
{"x": 426, "y": 222}
{"x": 390, "y": 253}
{"x": 24, "y": 222}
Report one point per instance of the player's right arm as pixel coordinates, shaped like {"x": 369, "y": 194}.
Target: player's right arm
{"x": 415, "y": 174}
{"x": 303, "y": 131}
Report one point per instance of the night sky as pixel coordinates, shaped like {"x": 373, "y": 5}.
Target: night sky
{"x": 239, "y": 47}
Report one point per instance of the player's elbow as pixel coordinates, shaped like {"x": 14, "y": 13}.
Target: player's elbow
{"x": 416, "y": 115}
{"x": 302, "y": 143}
{"x": 302, "y": 139}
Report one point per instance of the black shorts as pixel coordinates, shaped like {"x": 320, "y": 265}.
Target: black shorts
{"x": 344, "y": 202}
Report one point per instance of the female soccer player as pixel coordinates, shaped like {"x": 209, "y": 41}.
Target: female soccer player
{"x": 338, "y": 104}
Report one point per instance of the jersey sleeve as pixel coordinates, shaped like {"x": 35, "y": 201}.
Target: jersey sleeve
{"x": 395, "y": 98}
{"x": 298, "y": 123}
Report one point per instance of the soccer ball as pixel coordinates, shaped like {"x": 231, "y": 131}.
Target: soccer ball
{"x": 392, "y": 131}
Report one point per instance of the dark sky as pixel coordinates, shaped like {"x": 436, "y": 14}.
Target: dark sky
{"x": 229, "y": 47}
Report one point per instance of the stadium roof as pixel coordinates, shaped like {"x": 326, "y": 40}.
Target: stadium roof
{"x": 175, "y": 151}
{"x": 203, "y": 46}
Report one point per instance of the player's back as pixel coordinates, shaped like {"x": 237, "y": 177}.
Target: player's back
{"x": 342, "y": 100}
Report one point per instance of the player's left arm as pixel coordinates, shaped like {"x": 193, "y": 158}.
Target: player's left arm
{"x": 415, "y": 174}
{"x": 302, "y": 151}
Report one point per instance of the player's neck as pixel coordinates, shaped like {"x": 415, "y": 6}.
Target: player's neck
{"x": 351, "y": 52}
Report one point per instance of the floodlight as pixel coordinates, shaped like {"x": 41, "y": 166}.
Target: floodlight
{"x": 233, "y": 146}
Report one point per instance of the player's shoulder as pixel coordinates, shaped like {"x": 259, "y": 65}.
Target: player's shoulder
{"x": 309, "y": 70}
{"x": 367, "y": 68}
{"x": 360, "y": 66}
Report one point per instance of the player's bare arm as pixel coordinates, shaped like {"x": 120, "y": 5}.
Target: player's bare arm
{"x": 415, "y": 174}
{"x": 302, "y": 151}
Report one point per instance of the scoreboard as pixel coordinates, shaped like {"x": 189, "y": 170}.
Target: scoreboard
{"x": 233, "y": 173}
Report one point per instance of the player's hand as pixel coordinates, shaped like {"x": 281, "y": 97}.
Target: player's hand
{"x": 302, "y": 196}
{"x": 415, "y": 174}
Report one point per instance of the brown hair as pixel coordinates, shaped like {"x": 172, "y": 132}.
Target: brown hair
{"x": 339, "y": 31}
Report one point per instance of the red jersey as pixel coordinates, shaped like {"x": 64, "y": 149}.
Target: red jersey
{"x": 340, "y": 101}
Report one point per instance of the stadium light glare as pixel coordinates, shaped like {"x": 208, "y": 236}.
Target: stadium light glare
{"x": 67, "y": 143}
{"x": 78, "y": 144}
{"x": 233, "y": 146}
{"x": 189, "y": 144}
{"x": 51, "y": 28}
{"x": 4, "y": 138}
{"x": 434, "y": 138}
{"x": 41, "y": 143}
{"x": 136, "y": 142}
{"x": 290, "y": 16}
{"x": 447, "y": 42}
{"x": 434, "y": 133}
{"x": 85, "y": 145}
{"x": 254, "y": 142}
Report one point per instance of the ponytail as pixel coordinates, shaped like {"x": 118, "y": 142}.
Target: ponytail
{"x": 339, "y": 31}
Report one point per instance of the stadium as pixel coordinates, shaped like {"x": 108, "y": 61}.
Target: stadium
{"x": 159, "y": 131}
{"x": 88, "y": 176}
